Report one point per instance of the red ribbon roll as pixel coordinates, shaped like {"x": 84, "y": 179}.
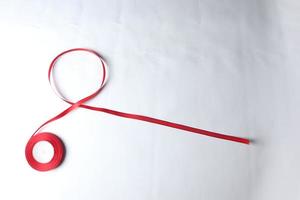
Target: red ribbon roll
{"x": 57, "y": 143}
{"x": 59, "y": 151}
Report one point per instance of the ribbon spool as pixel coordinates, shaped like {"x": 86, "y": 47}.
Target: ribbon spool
{"x": 58, "y": 146}
{"x": 56, "y": 142}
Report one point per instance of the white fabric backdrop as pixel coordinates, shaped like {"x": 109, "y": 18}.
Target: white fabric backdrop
{"x": 226, "y": 66}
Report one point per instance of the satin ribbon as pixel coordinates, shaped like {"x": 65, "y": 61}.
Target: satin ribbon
{"x": 58, "y": 144}
{"x": 59, "y": 151}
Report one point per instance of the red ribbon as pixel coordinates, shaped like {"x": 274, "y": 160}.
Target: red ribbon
{"x": 57, "y": 143}
{"x": 59, "y": 151}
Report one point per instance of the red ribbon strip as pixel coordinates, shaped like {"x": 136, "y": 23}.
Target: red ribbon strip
{"x": 57, "y": 143}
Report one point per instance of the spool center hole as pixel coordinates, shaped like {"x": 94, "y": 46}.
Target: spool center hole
{"x": 43, "y": 152}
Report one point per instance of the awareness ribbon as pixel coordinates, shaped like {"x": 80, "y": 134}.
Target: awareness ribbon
{"x": 58, "y": 146}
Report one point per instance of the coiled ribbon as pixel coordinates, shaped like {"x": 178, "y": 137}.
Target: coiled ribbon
{"x": 56, "y": 142}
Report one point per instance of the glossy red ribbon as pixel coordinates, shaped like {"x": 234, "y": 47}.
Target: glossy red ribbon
{"x": 58, "y": 145}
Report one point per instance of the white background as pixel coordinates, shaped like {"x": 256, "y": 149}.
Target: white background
{"x": 227, "y": 66}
